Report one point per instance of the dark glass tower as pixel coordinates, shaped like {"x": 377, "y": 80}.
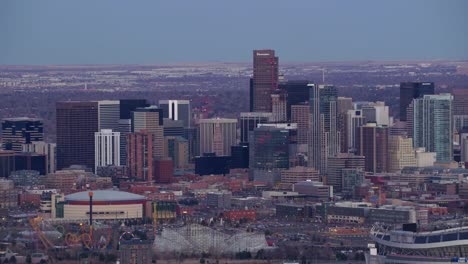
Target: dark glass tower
{"x": 19, "y": 131}
{"x": 410, "y": 91}
{"x": 298, "y": 92}
{"x": 76, "y": 124}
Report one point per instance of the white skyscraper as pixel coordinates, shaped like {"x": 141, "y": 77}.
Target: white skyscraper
{"x": 177, "y": 110}
{"x": 107, "y": 148}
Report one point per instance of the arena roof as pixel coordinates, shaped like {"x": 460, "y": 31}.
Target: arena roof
{"x": 104, "y": 195}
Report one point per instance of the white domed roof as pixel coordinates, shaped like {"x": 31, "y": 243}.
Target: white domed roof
{"x": 104, "y": 195}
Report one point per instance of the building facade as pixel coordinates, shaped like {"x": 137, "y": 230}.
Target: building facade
{"x": 372, "y": 143}
{"x": 177, "y": 110}
{"x": 19, "y": 131}
{"x": 107, "y": 148}
{"x": 140, "y": 149}
{"x": 410, "y": 91}
{"x": 265, "y": 79}
{"x": 217, "y": 135}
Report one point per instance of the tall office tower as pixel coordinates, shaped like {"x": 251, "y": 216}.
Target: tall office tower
{"x": 463, "y": 139}
{"x": 249, "y": 121}
{"x": 278, "y": 106}
{"x": 433, "y": 125}
{"x": 375, "y": 112}
{"x": 217, "y": 135}
{"x": 298, "y": 93}
{"x": 324, "y": 136}
{"x": 269, "y": 153}
{"x": 191, "y": 134}
{"x": 140, "y": 148}
{"x": 300, "y": 116}
{"x": 265, "y": 79}
{"x": 107, "y": 148}
{"x": 109, "y": 114}
{"x": 344, "y": 104}
{"x": 173, "y": 128}
{"x": 19, "y": 131}
{"x": 354, "y": 119}
{"x": 7, "y": 163}
{"x": 48, "y": 149}
{"x": 338, "y": 163}
{"x": 400, "y": 153}
{"x": 240, "y": 156}
{"x": 76, "y": 124}
{"x": 177, "y": 110}
{"x": 31, "y": 161}
{"x": 150, "y": 119}
{"x": 410, "y": 91}
{"x": 177, "y": 149}
{"x": 127, "y": 106}
{"x": 251, "y": 95}
{"x": 372, "y": 143}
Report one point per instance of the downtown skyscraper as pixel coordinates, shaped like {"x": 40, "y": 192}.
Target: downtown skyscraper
{"x": 324, "y": 137}
{"x": 433, "y": 125}
{"x": 410, "y": 91}
{"x": 265, "y": 79}
{"x": 76, "y": 124}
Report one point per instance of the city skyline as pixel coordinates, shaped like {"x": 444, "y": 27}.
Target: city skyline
{"x": 158, "y": 33}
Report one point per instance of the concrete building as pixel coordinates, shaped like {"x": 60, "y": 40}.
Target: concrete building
{"x": 48, "y": 149}
{"x": 433, "y": 125}
{"x": 300, "y": 116}
{"x": 297, "y": 174}
{"x": 337, "y": 163}
{"x": 140, "y": 155}
{"x": 19, "y": 131}
{"x": 177, "y": 110}
{"x": 249, "y": 121}
{"x": 400, "y": 153}
{"x": 344, "y": 104}
{"x": 221, "y": 200}
{"x": 107, "y": 148}
{"x": 8, "y": 194}
{"x": 372, "y": 143}
{"x": 150, "y": 119}
{"x": 265, "y": 79}
{"x": 425, "y": 159}
{"x": 376, "y": 112}
{"x": 108, "y": 114}
{"x": 279, "y": 106}
{"x": 217, "y": 135}
{"x": 314, "y": 188}
{"x": 177, "y": 149}
{"x": 163, "y": 170}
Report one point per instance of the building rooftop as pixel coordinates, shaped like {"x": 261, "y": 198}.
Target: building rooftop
{"x": 104, "y": 195}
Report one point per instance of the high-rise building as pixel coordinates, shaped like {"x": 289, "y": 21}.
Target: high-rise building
{"x": 351, "y": 178}
{"x": 109, "y": 114}
{"x": 150, "y": 119}
{"x": 76, "y": 124}
{"x": 300, "y": 116}
{"x": 375, "y": 112}
{"x": 279, "y": 106}
{"x": 269, "y": 152}
{"x": 400, "y": 153}
{"x": 337, "y": 164}
{"x": 19, "y": 131}
{"x": 297, "y": 174}
{"x": 324, "y": 136}
{"x": 410, "y": 91}
{"x": 140, "y": 148}
{"x": 297, "y": 91}
{"x": 177, "y": 149}
{"x": 191, "y": 134}
{"x": 107, "y": 148}
{"x": 7, "y": 163}
{"x": 177, "y": 110}
{"x": 265, "y": 79}
{"x": 372, "y": 143}
{"x": 460, "y": 101}
{"x": 217, "y": 135}
{"x": 433, "y": 125}
{"x": 127, "y": 106}
{"x": 240, "y": 156}
{"x": 354, "y": 119}
{"x": 344, "y": 104}
{"x": 173, "y": 128}
{"x": 48, "y": 149}
{"x": 249, "y": 121}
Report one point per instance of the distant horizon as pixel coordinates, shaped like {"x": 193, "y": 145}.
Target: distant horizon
{"x": 119, "y": 32}
{"x": 235, "y": 62}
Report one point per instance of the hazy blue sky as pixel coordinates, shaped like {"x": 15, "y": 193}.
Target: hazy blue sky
{"x": 114, "y": 31}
